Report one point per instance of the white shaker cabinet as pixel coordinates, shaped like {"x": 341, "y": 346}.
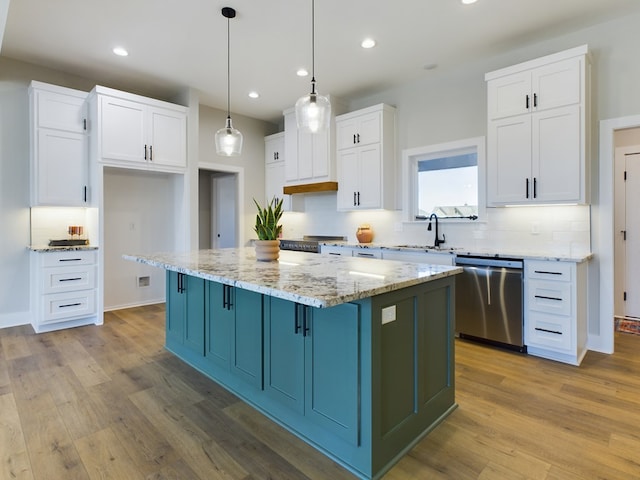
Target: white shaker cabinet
{"x": 555, "y": 310}
{"x": 310, "y": 158}
{"x": 274, "y": 172}
{"x": 537, "y": 146}
{"x": 64, "y": 289}
{"x": 59, "y": 146}
{"x": 419, "y": 257}
{"x": 366, "y": 158}
{"x": 139, "y": 132}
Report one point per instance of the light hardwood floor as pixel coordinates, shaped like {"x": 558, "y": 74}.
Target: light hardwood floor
{"x": 109, "y": 403}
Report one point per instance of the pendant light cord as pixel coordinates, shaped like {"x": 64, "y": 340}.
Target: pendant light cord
{"x": 313, "y": 47}
{"x": 228, "y": 70}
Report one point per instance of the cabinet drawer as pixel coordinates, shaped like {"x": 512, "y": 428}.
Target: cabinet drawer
{"x": 549, "y": 297}
{"x": 366, "y": 253}
{"x": 58, "y": 307}
{"x": 557, "y": 271}
{"x": 548, "y": 331}
{"x": 73, "y": 257}
{"x": 67, "y": 279}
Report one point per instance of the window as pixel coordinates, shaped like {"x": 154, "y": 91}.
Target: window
{"x": 445, "y": 179}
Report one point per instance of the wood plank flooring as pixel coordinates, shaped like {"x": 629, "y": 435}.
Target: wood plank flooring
{"x": 109, "y": 403}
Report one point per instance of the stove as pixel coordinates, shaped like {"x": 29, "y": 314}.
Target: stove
{"x": 309, "y": 243}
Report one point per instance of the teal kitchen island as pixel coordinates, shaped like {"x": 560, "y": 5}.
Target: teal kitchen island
{"x": 355, "y": 356}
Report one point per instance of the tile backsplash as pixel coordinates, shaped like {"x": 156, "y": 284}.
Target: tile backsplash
{"x": 52, "y": 223}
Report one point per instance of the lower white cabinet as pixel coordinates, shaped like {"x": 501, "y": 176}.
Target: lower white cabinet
{"x": 555, "y": 310}
{"x": 64, "y": 289}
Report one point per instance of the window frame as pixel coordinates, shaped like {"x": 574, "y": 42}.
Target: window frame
{"x": 410, "y": 159}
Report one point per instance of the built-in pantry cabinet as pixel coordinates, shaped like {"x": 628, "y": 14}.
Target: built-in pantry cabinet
{"x": 366, "y": 158}
{"x": 138, "y": 132}
{"x": 59, "y": 146}
{"x": 537, "y": 135}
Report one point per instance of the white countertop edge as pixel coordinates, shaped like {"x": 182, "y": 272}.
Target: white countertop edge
{"x": 65, "y": 248}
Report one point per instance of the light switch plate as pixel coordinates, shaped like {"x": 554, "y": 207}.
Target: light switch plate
{"x": 389, "y": 314}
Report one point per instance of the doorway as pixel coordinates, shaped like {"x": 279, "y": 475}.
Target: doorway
{"x": 218, "y": 208}
{"x": 627, "y": 232}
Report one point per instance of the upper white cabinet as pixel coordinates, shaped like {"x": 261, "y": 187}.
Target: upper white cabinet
{"x": 366, "y": 158}
{"x": 274, "y": 172}
{"x": 59, "y": 147}
{"x": 309, "y": 158}
{"x": 138, "y": 132}
{"x": 537, "y": 146}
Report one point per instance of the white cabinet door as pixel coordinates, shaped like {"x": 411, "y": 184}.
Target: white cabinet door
{"x": 348, "y": 181}
{"x": 509, "y": 161}
{"x": 290, "y": 148}
{"x": 507, "y": 96}
{"x": 167, "y": 137}
{"x": 557, "y": 155}
{"x": 274, "y": 148}
{"x": 556, "y": 85}
{"x": 61, "y": 112}
{"x": 61, "y": 169}
{"x": 122, "y": 130}
{"x": 370, "y": 177}
{"x": 359, "y": 130}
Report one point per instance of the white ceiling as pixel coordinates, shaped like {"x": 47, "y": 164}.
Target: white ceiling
{"x": 175, "y": 44}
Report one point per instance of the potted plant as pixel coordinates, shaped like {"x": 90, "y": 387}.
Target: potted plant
{"x": 268, "y": 230}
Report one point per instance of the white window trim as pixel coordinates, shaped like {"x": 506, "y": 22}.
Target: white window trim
{"x": 410, "y": 158}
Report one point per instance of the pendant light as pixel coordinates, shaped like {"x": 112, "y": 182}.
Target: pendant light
{"x": 228, "y": 139}
{"x": 313, "y": 111}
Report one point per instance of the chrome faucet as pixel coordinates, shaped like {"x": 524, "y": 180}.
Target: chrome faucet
{"x": 437, "y": 242}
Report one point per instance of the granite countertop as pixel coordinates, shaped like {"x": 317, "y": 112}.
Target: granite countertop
{"x": 489, "y": 253}
{"x": 306, "y": 278}
{"x": 67, "y": 248}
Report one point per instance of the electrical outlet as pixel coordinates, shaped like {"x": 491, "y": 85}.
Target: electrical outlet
{"x": 144, "y": 281}
{"x": 535, "y": 228}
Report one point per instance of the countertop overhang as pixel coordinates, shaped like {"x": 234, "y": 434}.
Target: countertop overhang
{"x": 306, "y": 278}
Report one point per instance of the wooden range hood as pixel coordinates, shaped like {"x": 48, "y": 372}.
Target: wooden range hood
{"x": 311, "y": 188}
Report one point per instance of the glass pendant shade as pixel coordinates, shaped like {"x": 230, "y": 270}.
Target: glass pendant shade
{"x": 313, "y": 113}
{"x": 228, "y": 140}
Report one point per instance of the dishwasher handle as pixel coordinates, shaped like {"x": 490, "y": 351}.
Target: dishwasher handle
{"x": 490, "y": 262}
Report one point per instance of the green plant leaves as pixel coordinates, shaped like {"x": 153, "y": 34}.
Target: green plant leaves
{"x": 267, "y": 220}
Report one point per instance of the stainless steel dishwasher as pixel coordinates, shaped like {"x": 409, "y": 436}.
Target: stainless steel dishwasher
{"x": 489, "y": 301}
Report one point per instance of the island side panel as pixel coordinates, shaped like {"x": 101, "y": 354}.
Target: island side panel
{"x": 413, "y": 367}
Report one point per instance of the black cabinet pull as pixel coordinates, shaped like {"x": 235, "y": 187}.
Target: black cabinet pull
{"x": 358, "y": 138}
{"x": 535, "y": 100}
{"x": 70, "y": 305}
{"x": 535, "y": 187}
{"x": 354, "y": 199}
{"x": 527, "y": 188}
{"x": 151, "y": 153}
{"x": 296, "y": 320}
{"x": 548, "y": 331}
{"x": 358, "y": 198}
{"x": 527, "y": 102}
{"x": 354, "y": 138}
{"x": 70, "y": 279}
{"x": 305, "y": 322}
{"x": 85, "y": 194}
{"x": 69, "y": 259}
{"x": 548, "y": 298}
{"x": 226, "y": 297}
{"x": 145, "y": 152}
{"x": 180, "y": 283}
{"x": 84, "y": 123}
{"x": 544, "y": 272}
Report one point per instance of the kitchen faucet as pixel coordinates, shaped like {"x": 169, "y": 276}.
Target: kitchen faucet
{"x": 437, "y": 242}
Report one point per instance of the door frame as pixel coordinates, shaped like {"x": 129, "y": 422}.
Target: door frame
{"x": 239, "y": 171}
{"x": 601, "y": 269}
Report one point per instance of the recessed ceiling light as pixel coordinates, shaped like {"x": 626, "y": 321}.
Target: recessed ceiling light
{"x": 254, "y": 94}
{"x": 302, "y": 72}
{"x": 120, "y": 51}
{"x": 368, "y": 43}
{"x": 468, "y": 2}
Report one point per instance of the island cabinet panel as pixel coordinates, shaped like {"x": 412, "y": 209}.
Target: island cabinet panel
{"x": 233, "y": 330}
{"x": 312, "y": 363}
{"x": 185, "y": 311}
